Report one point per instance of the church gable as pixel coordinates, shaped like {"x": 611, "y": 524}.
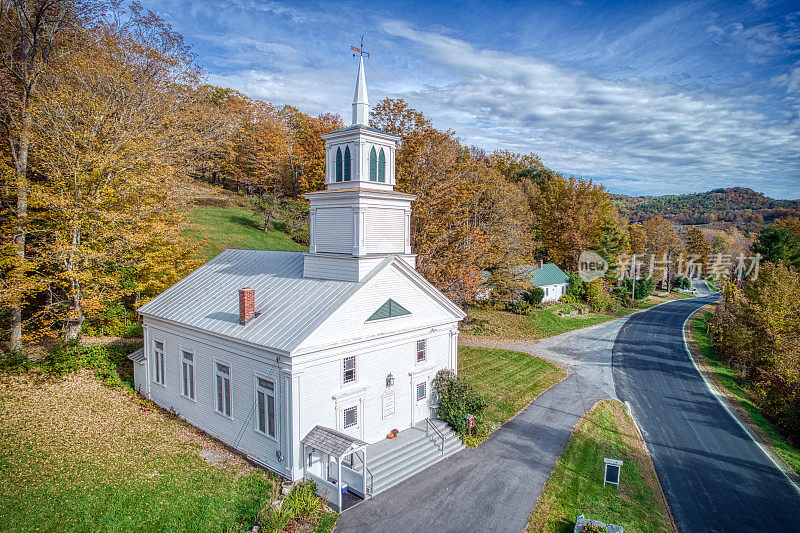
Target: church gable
{"x": 395, "y": 298}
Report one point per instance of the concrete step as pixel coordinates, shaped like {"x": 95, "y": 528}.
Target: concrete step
{"x": 412, "y": 467}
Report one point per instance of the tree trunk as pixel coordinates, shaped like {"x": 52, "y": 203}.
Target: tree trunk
{"x": 21, "y": 213}
{"x": 75, "y": 320}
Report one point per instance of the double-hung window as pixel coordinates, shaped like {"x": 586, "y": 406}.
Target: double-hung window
{"x": 223, "y": 374}
{"x": 158, "y": 360}
{"x": 349, "y": 370}
{"x": 265, "y": 401}
{"x": 421, "y": 350}
{"x": 188, "y": 374}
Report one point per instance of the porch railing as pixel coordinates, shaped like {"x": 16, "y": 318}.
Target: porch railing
{"x": 369, "y": 482}
{"x": 436, "y": 430}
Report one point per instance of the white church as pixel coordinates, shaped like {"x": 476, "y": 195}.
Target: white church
{"x": 305, "y": 362}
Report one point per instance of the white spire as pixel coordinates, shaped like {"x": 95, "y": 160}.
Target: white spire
{"x": 360, "y": 101}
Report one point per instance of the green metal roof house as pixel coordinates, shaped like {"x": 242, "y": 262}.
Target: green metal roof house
{"x": 551, "y": 279}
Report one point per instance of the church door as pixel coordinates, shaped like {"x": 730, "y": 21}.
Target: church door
{"x": 421, "y": 394}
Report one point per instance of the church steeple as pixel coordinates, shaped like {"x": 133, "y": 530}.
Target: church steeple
{"x": 360, "y": 100}
{"x": 360, "y": 219}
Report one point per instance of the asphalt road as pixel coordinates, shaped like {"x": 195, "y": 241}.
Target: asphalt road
{"x": 713, "y": 475}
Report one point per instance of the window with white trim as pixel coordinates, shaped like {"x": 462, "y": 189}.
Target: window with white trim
{"x": 422, "y": 390}
{"x": 223, "y": 374}
{"x": 422, "y": 346}
{"x": 265, "y": 402}
{"x": 351, "y": 416}
{"x": 349, "y": 369}
{"x": 187, "y": 365}
{"x": 158, "y": 360}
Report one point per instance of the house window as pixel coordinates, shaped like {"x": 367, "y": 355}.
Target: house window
{"x": 422, "y": 390}
{"x": 265, "y": 399}
{"x": 373, "y": 165}
{"x": 338, "y": 164}
{"x": 421, "y": 348}
{"x": 223, "y": 389}
{"x": 158, "y": 360}
{"x": 347, "y": 163}
{"x": 310, "y": 459}
{"x": 188, "y": 375}
{"x": 381, "y": 167}
{"x": 349, "y": 369}
{"x": 350, "y": 416}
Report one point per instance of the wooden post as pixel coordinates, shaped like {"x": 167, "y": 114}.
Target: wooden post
{"x": 339, "y": 483}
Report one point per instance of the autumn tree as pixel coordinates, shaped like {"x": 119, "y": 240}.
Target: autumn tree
{"x": 113, "y": 127}
{"x": 662, "y": 245}
{"x": 34, "y": 35}
{"x": 698, "y": 247}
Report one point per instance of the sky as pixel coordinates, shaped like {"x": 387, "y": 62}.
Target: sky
{"x": 646, "y": 98}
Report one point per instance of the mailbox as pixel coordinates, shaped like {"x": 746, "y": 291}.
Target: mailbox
{"x": 470, "y": 421}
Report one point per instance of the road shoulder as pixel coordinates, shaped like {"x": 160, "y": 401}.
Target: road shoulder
{"x": 731, "y": 405}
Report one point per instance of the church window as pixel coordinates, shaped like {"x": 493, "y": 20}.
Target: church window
{"x": 338, "y": 164}
{"x": 347, "y": 163}
{"x": 381, "y": 167}
{"x": 373, "y": 164}
{"x": 349, "y": 369}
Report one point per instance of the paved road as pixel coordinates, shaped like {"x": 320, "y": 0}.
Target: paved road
{"x": 490, "y": 488}
{"x": 714, "y": 476}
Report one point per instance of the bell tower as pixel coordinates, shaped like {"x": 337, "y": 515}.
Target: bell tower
{"x": 359, "y": 219}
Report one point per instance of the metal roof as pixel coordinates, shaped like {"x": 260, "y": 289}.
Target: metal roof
{"x": 331, "y": 441}
{"x": 548, "y": 274}
{"x": 137, "y": 356}
{"x": 290, "y": 305}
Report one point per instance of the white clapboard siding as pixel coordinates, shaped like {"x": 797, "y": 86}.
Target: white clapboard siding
{"x": 239, "y": 431}
{"x": 325, "y": 396}
{"x": 385, "y": 230}
{"x": 333, "y": 230}
{"x": 349, "y": 321}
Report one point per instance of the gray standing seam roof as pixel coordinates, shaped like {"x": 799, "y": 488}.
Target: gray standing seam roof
{"x": 137, "y": 356}
{"x": 331, "y": 441}
{"x": 290, "y": 306}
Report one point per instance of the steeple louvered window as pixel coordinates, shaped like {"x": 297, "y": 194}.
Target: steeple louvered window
{"x": 347, "y": 164}
{"x": 382, "y": 167}
{"x": 339, "y": 172}
{"x": 373, "y": 164}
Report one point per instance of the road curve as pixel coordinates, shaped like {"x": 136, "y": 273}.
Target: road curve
{"x": 713, "y": 475}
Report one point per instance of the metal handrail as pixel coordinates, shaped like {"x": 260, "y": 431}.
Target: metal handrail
{"x": 436, "y": 430}
{"x": 371, "y": 482}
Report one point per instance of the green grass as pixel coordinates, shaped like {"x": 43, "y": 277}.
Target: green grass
{"x": 576, "y": 484}
{"x": 508, "y": 380}
{"x": 220, "y": 228}
{"x": 728, "y": 380}
{"x": 76, "y": 455}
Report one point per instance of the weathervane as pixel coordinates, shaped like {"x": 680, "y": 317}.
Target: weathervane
{"x": 360, "y": 49}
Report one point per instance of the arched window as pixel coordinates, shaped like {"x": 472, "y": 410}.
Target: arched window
{"x": 382, "y": 167}
{"x": 373, "y": 165}
{"x": 347, "y": 163}
{"x": 338, "y": 164}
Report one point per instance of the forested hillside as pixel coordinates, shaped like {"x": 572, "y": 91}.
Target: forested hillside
{"x": 744, "y": 208}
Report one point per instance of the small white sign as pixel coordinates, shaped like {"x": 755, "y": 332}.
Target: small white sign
{"x": 611, "y": 474}
{"x": 388, "y": 404}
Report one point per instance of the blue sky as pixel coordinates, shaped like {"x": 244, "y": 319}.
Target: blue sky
{"x": 644, "y": 97}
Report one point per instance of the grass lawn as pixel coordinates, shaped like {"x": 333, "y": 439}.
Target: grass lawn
{"x": 576, "y": 484}
{"x": 545, "y": 322}
{"x": 727, "y": 379}
{"x": 76, "y": 455}
{"x": 221, "y": 228}
{"x": 508, "y": 380}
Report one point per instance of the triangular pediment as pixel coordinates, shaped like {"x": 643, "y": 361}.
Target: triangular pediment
{"x": 389, "y": 310}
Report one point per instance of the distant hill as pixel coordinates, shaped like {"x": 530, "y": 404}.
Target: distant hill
{"x": 741, "y": 207}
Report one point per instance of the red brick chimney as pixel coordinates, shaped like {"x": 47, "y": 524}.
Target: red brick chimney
{"x": 247, "y": 304}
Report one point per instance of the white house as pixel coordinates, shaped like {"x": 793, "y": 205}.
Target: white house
{"x": 306, "y": 361}
{"x": 548, "y": 277}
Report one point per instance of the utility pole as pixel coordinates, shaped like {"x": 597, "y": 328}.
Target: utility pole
{"x": 633, "y": 275}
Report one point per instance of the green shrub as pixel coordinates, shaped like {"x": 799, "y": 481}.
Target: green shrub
{"x": 576, "y": 290}
{"x": 15, "y": 362}
{"x": 303, "y": 504}
{"x": 644, "y": 286}
{"x": 598, "y": 295}
{"x": 456, "y": 400}
{"x": 534, "y": 296}
{"x": 302, "y": 236}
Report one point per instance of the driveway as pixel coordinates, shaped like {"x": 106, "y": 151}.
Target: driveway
{"x": 713, "y": 474}
{"x": 490, "y": 488}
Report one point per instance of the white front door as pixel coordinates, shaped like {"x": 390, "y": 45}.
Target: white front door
{"x": 421, "y": 393}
